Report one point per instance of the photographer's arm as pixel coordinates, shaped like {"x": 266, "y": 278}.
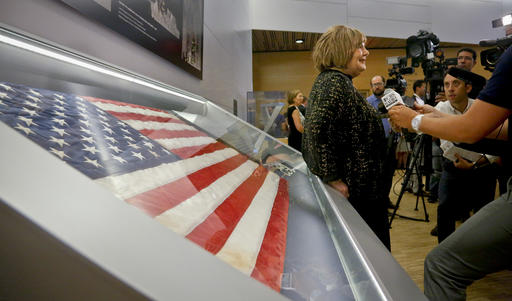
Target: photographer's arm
{"x": 478, "y": 122}
{"x": 500, "y": 133}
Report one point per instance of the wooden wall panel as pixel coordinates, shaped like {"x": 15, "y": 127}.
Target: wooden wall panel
{"x": 294, "y": 70}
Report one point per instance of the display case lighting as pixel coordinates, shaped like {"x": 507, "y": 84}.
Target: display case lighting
{"x": 90, "y": 66}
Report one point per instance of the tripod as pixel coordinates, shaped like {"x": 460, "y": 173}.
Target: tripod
{"x": 411, "y": 167}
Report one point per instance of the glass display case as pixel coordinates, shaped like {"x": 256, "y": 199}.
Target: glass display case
{"x": 115, "y": 186}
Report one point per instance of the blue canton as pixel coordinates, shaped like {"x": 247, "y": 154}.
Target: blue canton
{"x": 76, "y": 131}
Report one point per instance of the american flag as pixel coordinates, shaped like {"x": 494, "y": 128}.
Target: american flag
{"x": 185, "y": 179}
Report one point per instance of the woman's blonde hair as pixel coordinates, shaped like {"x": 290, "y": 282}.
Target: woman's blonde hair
{"x": 291, "y": 95}
{"x": 336, "y": 46}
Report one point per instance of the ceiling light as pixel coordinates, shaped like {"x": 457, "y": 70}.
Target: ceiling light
{"x": 299, "y": 41}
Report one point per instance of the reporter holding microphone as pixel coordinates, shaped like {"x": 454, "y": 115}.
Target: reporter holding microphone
{"x": 483, "y": 244}
{"x": 343, "y": 141}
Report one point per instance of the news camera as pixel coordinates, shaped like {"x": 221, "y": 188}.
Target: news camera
{"x": 490, "y": 57}
{"x": 396, "y": 72}
{"x": 396, "y": 81}
{"x": 423, "y": 49}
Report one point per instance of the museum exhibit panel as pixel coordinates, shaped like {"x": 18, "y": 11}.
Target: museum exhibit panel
{"x": 116, "y": 186}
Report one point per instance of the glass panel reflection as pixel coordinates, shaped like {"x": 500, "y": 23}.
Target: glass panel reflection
{"x": 235, "y": 204}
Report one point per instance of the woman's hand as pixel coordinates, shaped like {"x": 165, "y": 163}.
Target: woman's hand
{"x": 340, "y": 186}
{"x": 401, "y": 116}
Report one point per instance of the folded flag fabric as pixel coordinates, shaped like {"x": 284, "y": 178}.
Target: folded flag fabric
{"x": 176, "y": 173}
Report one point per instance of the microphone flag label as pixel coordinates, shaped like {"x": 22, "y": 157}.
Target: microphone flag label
{"x": 391, "y": 99}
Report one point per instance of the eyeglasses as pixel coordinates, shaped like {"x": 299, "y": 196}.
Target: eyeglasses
{"x": 378, "y": 85}
{"x": 468, "y": 58}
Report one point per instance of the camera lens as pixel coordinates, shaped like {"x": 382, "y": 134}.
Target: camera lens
{"x": 493, "y": 57}
{"x": 415, "y": 50}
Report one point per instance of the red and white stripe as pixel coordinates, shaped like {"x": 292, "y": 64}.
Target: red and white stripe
{"x": 216, "y": 197}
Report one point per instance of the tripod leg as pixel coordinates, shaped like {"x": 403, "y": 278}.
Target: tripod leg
{"x": 424, "y": 208}
{"x": 402, "y": 191}
{"x": 408, "y": 173}
{"x": 413, "y": 165}
{"x": 420, "y": 185}
{"x": 419, "y": 178}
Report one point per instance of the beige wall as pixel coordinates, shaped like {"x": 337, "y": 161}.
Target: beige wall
{"x": 294, "y": 70}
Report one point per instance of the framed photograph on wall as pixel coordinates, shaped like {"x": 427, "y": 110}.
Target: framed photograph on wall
{"x": 172, "y": 29}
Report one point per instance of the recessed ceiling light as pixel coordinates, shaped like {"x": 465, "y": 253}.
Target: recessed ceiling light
{"x": 299, "y": 41}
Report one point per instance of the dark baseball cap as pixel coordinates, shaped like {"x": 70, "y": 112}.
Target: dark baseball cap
{"x": 469, "y": 77}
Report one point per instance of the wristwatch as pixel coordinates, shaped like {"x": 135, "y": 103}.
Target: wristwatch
{"x": 415, "y": 123}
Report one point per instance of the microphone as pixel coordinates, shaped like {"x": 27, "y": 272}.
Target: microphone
{"x": 391, "y": 98}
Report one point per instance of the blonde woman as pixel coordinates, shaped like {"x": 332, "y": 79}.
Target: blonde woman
{"x": 344, "y": 142}
{"x": 295, "y": 119}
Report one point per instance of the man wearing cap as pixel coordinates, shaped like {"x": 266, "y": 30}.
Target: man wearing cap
{"x": 463, "y": 186}
{"x": 466, "y": 59}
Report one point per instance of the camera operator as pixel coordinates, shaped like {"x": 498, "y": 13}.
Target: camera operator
{"x": 462, "y": 187}
{"x": 483, "y": 244}
{"x": 466, "y": 58}
{"x": 420, "y": 90}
